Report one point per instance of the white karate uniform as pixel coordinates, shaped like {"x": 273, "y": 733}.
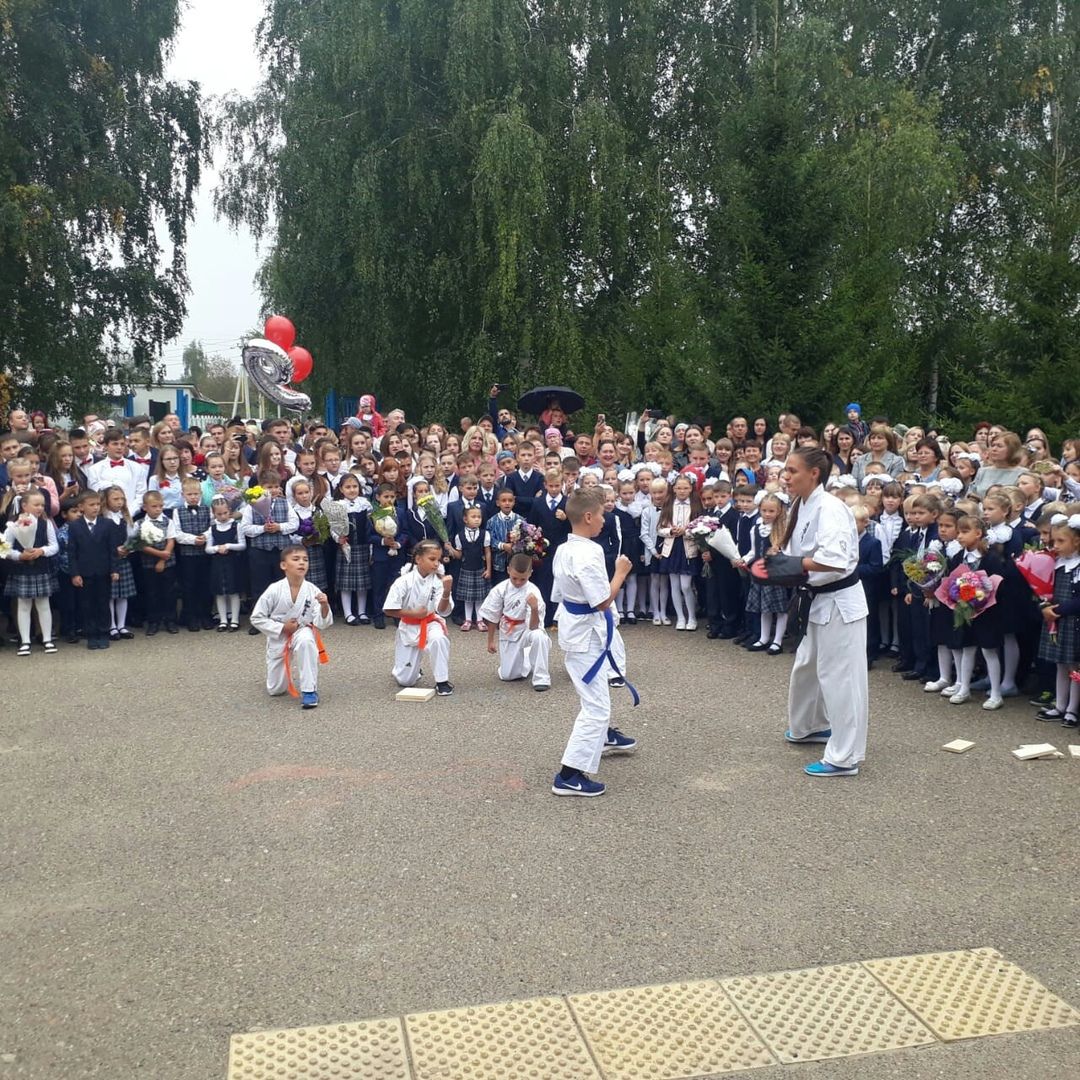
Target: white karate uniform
{"x": 828, "y": 687}
{"x": 273, "y": 609}
{"x": 522, "y": 652}
{"x": 410, "y": 590}
{"x": 580, "y": 576}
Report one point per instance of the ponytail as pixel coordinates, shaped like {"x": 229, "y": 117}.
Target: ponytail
{"x": 813, "y": 457}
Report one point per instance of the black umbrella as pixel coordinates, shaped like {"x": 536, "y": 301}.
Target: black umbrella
{"x": 541, "y": 398}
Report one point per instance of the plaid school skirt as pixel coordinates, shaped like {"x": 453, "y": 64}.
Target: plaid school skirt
{"x": 30, "y": 585}
{"x": 354, "y": 575}
{"x": 124, "y": 588}
{"x": 316, "y": 573}
{"x": 470, "y": 587}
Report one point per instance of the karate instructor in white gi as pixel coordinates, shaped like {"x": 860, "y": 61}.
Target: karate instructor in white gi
{"x": 828, "y": 699}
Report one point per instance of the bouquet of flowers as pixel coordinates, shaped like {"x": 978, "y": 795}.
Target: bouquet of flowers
{"x": 337, "y": 523}
{"x": 430, "y": 505}
{"x": 259, "y": 499}
{"x": 229, "y": 492}
{"x": 147, "y": 535}
{"x": 722, "y": 542}
{"x": 1037, "y": 569}
{"x": 384, "y": 521}
{"x": 701, "y": 528}
{"x": 314, "y": 530}
{"x": 25, "y": 530}
{"x": 925, "y": 570}
{"x": 529, "y": 540}
{"x": 968, "y": 593}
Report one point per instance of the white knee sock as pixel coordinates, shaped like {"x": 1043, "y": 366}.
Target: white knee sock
{"x": 781, "y": 629}
{"x": 993, "y": 670}
{"x": 1011, "y": 654}
{"x": 967, "y": 669}
{"x": 346, "y": 603}
{"x": 766, "y": 628}
{"x": 945, "y": 664}
{"x": 222, "y": 603}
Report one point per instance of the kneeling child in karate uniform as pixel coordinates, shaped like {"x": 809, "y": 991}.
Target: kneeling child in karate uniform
{"x": 514, "y": 610}
{"x": 420, "y": 600}
{"x": 291, "y": 612}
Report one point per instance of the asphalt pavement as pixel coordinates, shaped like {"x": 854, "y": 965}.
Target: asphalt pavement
{"x": 183, "y": 858}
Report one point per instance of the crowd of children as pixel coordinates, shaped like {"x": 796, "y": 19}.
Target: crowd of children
{"x": 107, "y": 529}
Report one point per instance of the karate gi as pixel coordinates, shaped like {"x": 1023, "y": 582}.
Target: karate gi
{"x": 828, "y": 687}
{"x": 411, "y": 591}
{"x": 580, "y": 577}
{"x": 522, "y": 652}
{"x": 276, "y": 607}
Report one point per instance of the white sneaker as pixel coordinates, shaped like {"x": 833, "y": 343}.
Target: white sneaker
{"x": 993, "y": 703}
{"x": 665, "y": 620}
{"x": 691, "y": 624}
{"x": 681, "y": 624}
{"x": 657, "y": 621}
{"x": 960, "y": 697}
{"x": 936, "y": 686}
{"x": 948, "y": 691}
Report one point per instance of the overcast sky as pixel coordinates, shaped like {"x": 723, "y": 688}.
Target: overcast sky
{"x": 216, "y": 48}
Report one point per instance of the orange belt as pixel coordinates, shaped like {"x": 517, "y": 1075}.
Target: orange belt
{"x": 324, "y": 658}
{"x": 424, "y": 623}
{"x": 511, "y": 623}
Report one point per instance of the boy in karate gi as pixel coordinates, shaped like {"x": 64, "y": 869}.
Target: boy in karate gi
{"x": 291, "y": 613}
{"x": 421, "y": 602}
{"x": 514, "y": 610}
{"x": 590, "y": 643}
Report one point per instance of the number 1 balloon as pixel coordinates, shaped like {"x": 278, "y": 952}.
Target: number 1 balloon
{"x": 270, "y": 368}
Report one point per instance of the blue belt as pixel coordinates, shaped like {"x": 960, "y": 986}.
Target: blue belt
{"x": 576, "y": 608}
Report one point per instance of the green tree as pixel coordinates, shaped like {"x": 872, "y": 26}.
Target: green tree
{"x": 97, "y": 148}
{"x": 195, "y": 365}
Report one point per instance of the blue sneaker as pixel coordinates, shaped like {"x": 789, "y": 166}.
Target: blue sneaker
{"x": 618, "y": 743}
{"x": 813, "y": 737}
{"x": 823, "y": 768}
{"x": 309, "y": 700}
{"x": 579, "y": 785}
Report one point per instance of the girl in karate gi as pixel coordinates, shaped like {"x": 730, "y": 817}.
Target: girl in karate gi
{"x": 421, "y": 602}
{"x": 290, "y": 613}
{"x": 514, "y": 610}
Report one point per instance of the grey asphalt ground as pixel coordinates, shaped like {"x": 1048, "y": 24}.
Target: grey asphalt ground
{"x": 183, "y": 858}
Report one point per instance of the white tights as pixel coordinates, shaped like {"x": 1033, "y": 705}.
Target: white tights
{"x": 948, "y": 662}
{"x": 347, "y": 604}
{"x": 683, "y": 599}
{"x": 1011, "y": 653}
{"x": 118, "y": 611}
{"x": 470, "y": 609}
{"x": 225, "y": 604}
{"x": 770, "y": 634}
{"x": 993, "y": 669}
{"x": 658, "y": 595}
{"x": 1067, "y": 699}
{"x": 627, "y": 599}
{"x": 40, "y": 604}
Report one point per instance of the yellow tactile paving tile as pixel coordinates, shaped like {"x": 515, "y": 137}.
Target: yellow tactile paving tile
{"x": 667, "y": 1032}
{"x": 825, "y": 1012}
{"x": 676, "y": 1030}
{"x": 962, "y": 995}
{"x": 369, "y": 1050}
{"x": 513, "y": 1040}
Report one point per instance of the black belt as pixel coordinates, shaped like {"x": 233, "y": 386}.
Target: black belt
{"x": 805, "y": 597}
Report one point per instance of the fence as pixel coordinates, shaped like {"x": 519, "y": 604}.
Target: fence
{"x": 339, "y": 407}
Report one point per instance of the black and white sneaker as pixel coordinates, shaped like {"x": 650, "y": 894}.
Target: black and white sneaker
{"x": 50, "y": 646}
{"x": 444, "y": 689}
{"x": 24, "y": 650}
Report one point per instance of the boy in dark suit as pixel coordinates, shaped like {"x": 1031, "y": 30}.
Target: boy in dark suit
{"x": 870, "y": 570}
{"x": 549, "y": 514}
{"x": 525, "y": 482}
{"x": 92, "y": 562}
{"x": 917, "y": 662}
{"x": 746, "y": 505}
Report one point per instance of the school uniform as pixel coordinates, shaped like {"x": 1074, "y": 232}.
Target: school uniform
{"x": 264, "y": 549}
{"x": 1064, "y": 647}
{"x": 750, "y": 621}
{"x": 871, "y": 571}
{"x": 124, "y": 473}
{"x": 158, "y": 590}
{"x": 888, "y": 531}
{"x": 455, "y": 514}
{"x": 193, "y": 565}
{"x": 91, "y": 555}
{"x": 171, "y": 490}
{"x": 544, "y": 515}
{"x": 272, "y": 610}
{"x": 226, "y": 571}
{"x": 827, "y": 690}
{"x": 67, "y": 602}
{"x": 32, "y": 580}
{"x": 610, "y": 540}
{"x": 916, "y": 653}
{"x": 354, "y": 573}
{"x": 526, "y": 487}
{"x": 1033, "y": 512}
{"x": 498, "y": 532}
{"x": 316, "y": 572}
{"x": 487, "y": 497}
{"x": 1019, "y": 615}
{"x": 581, "y": 585}
{"x": 942, "y": 631}
{"x": 470, "y": 586}
{"x": 522, "y": 652}
{"x": 762, "y": 597}
{"x": 723, "y": 594}
{"x": 124, "y": 587}
{"x": 386, "y": 563}
{"x": 417, "y": 636}
{"x": 420, "y": 528}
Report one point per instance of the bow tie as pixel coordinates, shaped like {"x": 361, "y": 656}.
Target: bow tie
{"x": 116, "y": 464}
{"x": 141, "y": 460}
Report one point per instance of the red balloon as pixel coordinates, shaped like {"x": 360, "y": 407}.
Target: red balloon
{"x": 280, "y": 331}
{"x": 302, "y": 363}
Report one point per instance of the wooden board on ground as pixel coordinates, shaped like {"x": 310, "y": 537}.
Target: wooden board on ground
{"x": 415, "y": 693}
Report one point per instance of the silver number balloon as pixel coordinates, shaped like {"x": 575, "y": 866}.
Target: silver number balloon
{"x": 270, "y": 369}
